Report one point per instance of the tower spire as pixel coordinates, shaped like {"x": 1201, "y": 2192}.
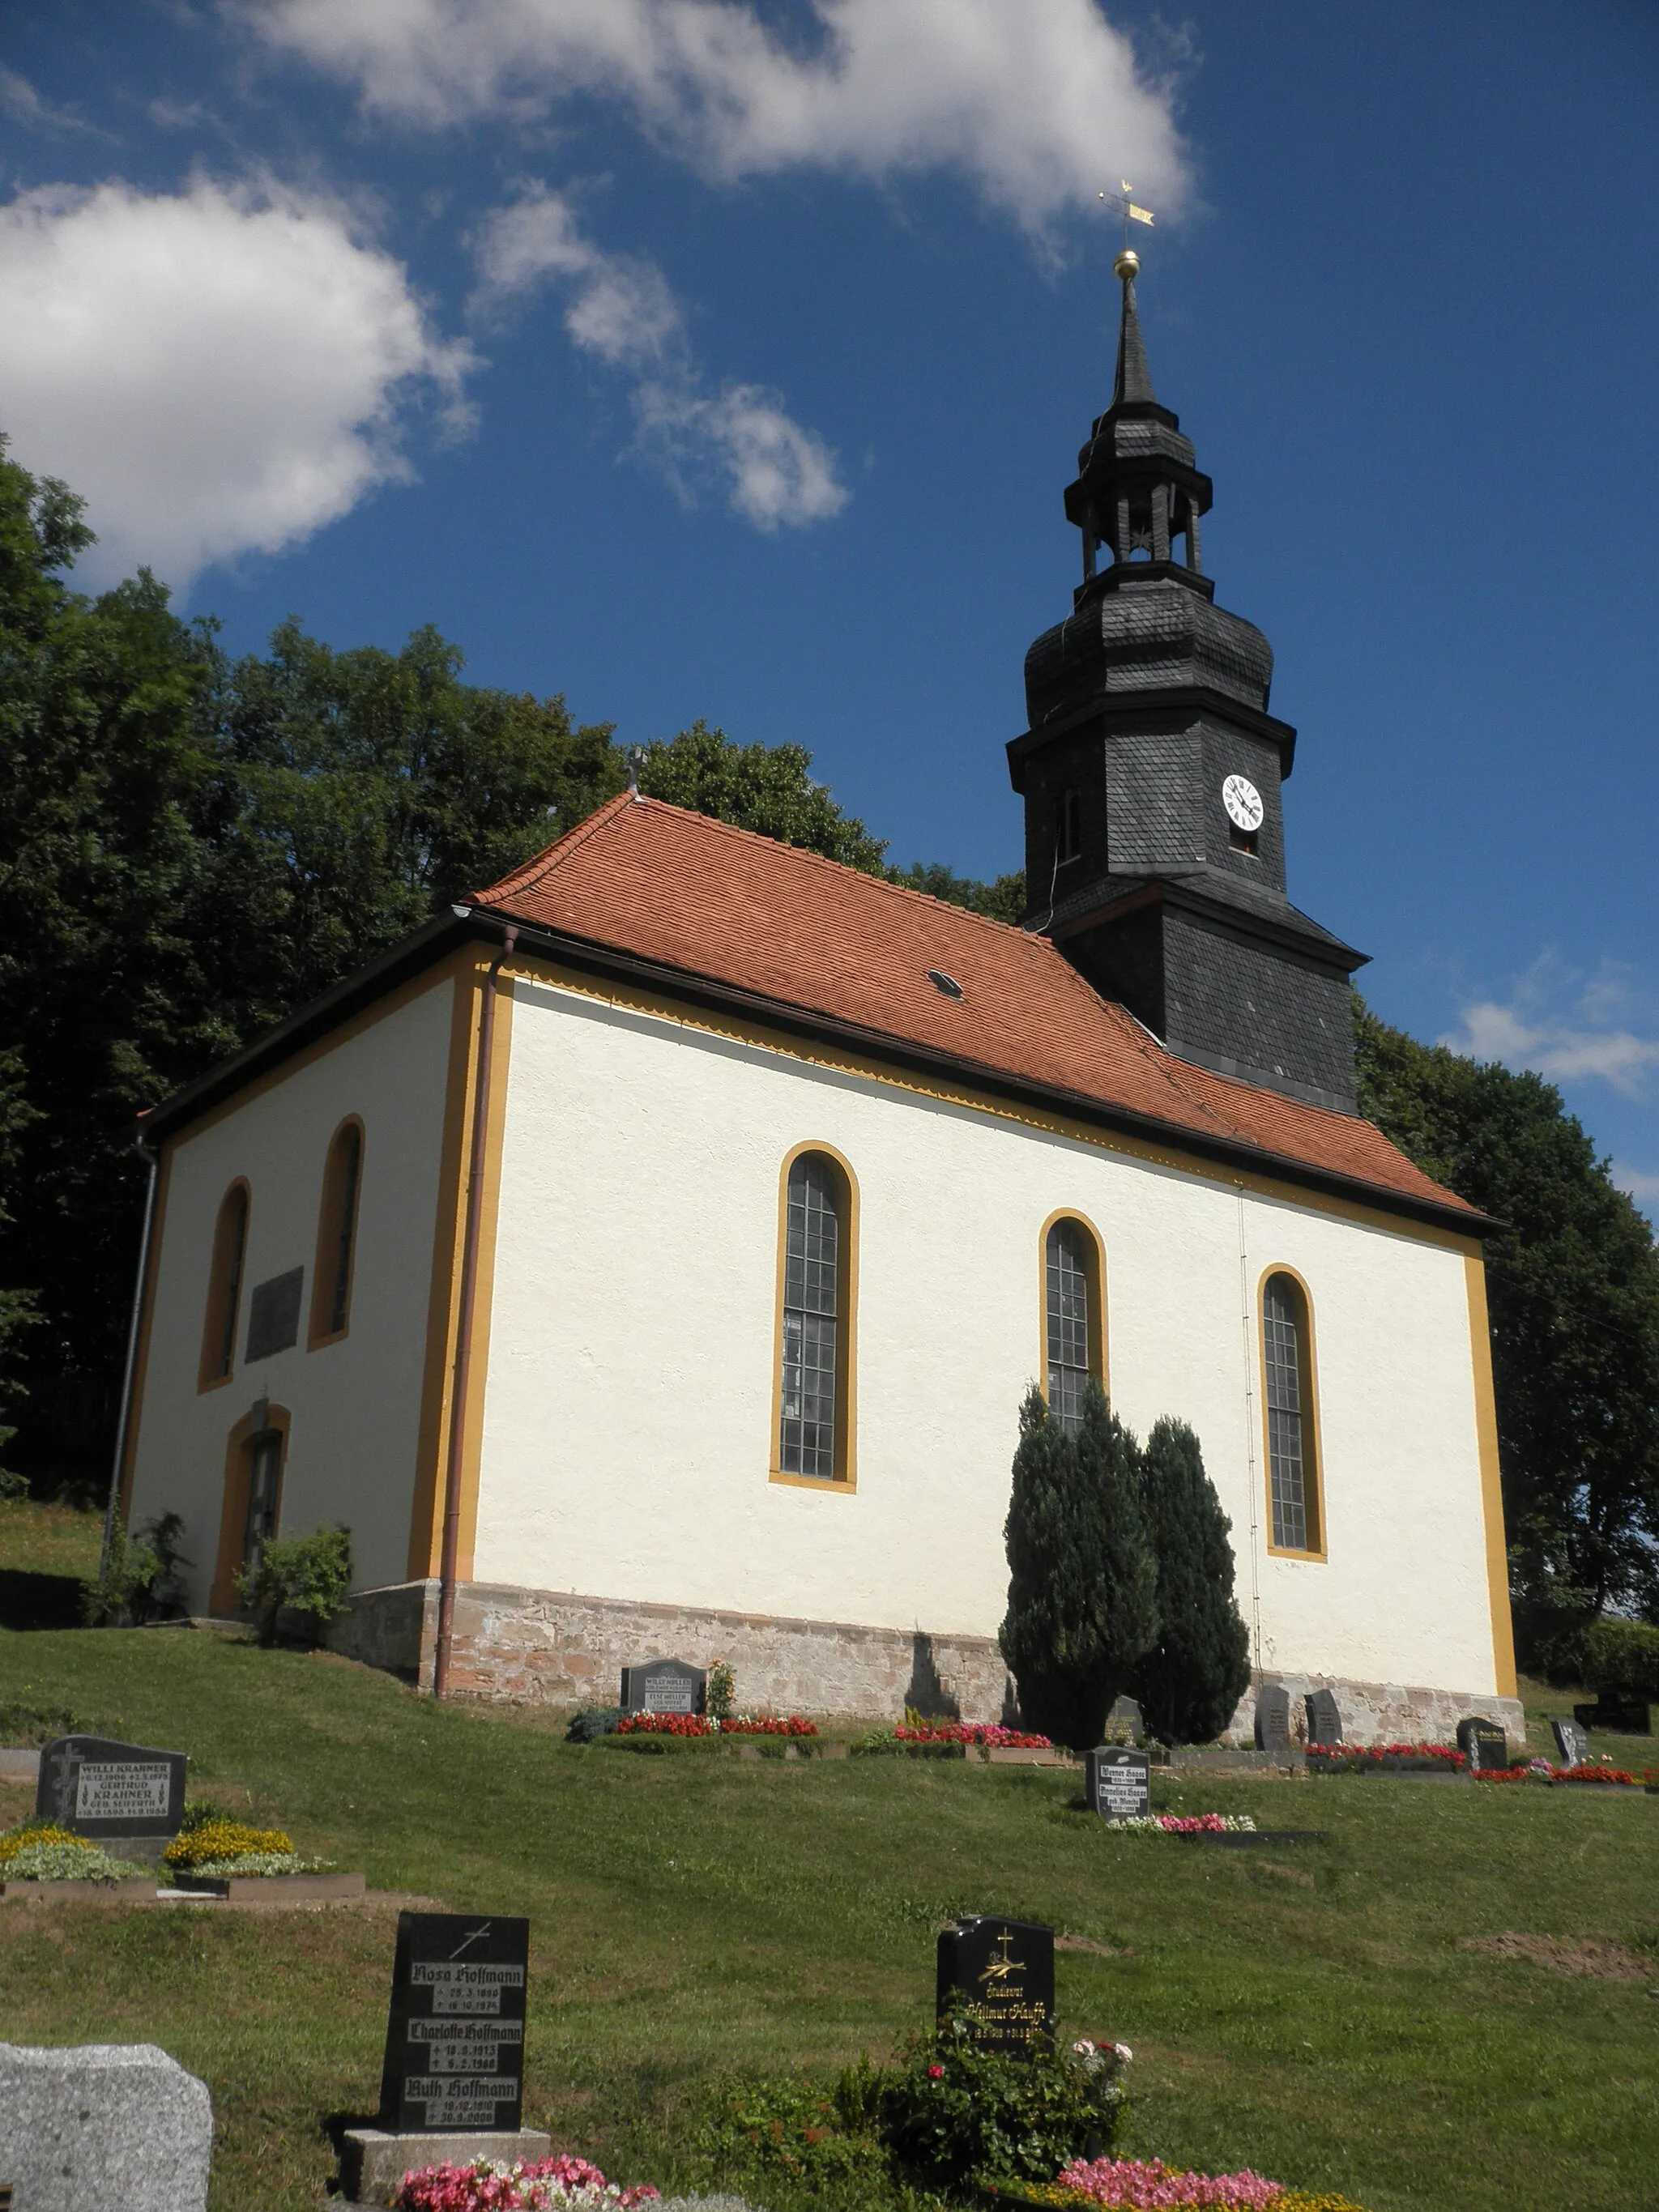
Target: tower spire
{"x": 1133, "y": 383}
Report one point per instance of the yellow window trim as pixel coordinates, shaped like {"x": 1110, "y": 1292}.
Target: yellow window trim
{"x": 233, "y": 1512}
{"x": 1492, "y": 1483}
{"x": 1313, "y": 1457}
{"x": 844, "y": 1480}
{"x": 328, "y": 1237}
{"x": 220, "y": 1313}
{"x": 1095, "y": 1271}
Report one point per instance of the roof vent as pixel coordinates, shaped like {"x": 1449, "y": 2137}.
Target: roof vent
{"x": 941, "y": 982}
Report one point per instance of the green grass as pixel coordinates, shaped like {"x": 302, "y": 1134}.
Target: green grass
{"x": 37, "y": 1539}
{"x": 1308, "y": 2012}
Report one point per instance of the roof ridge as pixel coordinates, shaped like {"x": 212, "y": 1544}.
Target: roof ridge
{"x": 532, "y": 871}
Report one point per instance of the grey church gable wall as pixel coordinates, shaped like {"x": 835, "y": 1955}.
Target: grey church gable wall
{"x": 1153, "y": 823}
{"x": 1265, "y": 1016}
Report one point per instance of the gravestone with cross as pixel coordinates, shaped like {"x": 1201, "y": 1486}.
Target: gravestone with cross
{"x": 109, "y": 1791}
{"x": 1483, "y": 1743}
{"x": 1000, "y": 1973}
{"x": 1571, "y": 1741}
{"x": 454, "y": 2038}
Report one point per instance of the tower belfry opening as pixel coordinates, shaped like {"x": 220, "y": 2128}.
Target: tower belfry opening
{"x": 1152, "y": 774}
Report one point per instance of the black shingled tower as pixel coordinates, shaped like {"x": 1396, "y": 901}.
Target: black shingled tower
{"x": 1143, "y": 703}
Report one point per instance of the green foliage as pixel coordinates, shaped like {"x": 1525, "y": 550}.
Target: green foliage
{"x": 1002, "y": 901}
{"x": 765, "y": 788}
{"x": 793, "y": 2128}
{"x": 589, "y": 1723}
{"x": 38, "y": 1853}
{"x": 1621, "y": 1660}
{"x": 1082, "y": 1590}
{"x": 953, "y": 2114}
{"x": 720, "y": 1692}
{"x": 309, "y": 1575}
{"x": 1573, "y": 1288}
{"x": 22, "y": 1722}
{"x": 1191, "y": 1681}
{"x": 141, "y": 1578}
{"x": 884, "y": 1742}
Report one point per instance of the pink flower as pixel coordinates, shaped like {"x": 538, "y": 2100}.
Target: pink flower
{"x": 1133, "y": 2182}
{"x": 935, "y": 2072}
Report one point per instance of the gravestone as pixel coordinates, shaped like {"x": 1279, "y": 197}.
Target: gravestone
{"x": 1482, "y": 1742}
{"x": 1118, "y": 1783}
{"x": 1324, "y": 1720}
{"x": 1622, "y": 1715}
{"x": 1272, "y": 1722}
{"x": 663, "y": 1686}
{"x": 109, "y": 1791}
{"x": 1001, "y": 1972}
{"x": 102, "y": 2127}
{"x": 455, "y": 2036}
{"x": 1571, "y": 1741}
{"x": 273, "y": 1319}
{"x": 1126, "y": 1713}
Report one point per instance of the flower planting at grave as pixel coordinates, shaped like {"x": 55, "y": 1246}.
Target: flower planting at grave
{"x": 544, "y": 2185}
{"x": 37, "y": 1852}
{"x": 789, "y": 1724}
{"x": 218, "y": 1847}
{"x": 982, "y": 1735}
{"x": 1385, "y": 1758}
{"x": 1540, "y": 1770}
{"x": 1128, "y": 2184}
{"x": 1186, "y": 1824}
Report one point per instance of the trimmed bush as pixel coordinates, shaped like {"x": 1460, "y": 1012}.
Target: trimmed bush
{"x": 310, "y": 1575}
{"x": 1190, "y": 1682}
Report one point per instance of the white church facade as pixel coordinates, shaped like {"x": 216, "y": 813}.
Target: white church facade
{"x": 650, "y": 1258}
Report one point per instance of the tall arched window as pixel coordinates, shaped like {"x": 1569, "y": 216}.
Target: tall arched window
{"x": 251, "y": 1511}
{"x": 1289, "y": 1403}
{"x": 815, "y": 1327}
{"x": 224, "y": 1297}
{"x": 336, "y": 1235}
{"x": 1073, "y": 1317}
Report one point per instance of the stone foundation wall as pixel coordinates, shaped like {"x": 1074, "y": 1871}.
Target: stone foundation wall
{"x": 541, "y": 1647}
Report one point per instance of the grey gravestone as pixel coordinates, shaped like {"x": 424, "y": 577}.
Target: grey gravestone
{"x": 1127, "y": 1713}
{"x": 663, "y": 1686}
{"x": 106, "y": 1790}
{"x": 1002, "y": 1974}
{"x": 1483, "y": 1743}
{"x": 1272, "y": 1721}
{"x": 1570, "y": 1742}
{"x": 455, "y": 2036}
{"x": 273, "y": 1317}
{"x": 1119, "y": 1784}
{"x": 103, "y": 2127}
{"x": 1622, "y": 1715}
{"x": 1324, "y": 1720}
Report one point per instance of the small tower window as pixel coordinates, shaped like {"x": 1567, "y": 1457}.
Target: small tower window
{"x": 1068, "y": 827}
{"x": 1242, "y": 841}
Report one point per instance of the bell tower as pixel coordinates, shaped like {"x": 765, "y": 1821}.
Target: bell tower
{"x": 1151, "y": 771}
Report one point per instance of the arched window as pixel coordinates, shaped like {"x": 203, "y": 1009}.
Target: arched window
{"x": 815, "y": 1325}
{"x": 1289, "y": 1404}
{"x": 1073, "y": 1330}
{"x": 251, "y": 1511}
{"x": 337, "y": 1236}
{"x": 224, "y": 1297}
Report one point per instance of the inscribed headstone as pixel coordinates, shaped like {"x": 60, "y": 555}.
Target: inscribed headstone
{"x": 97, "y": 1788}
{"x": 1571, "y": 1741}
{"x": 1273, "y": 1720}
{"x": 1622, "y": 1715}
{"x": 454, "y": 2037}
{"x": 1119, "y": 1784}
{"x": 663, "y": 1686}
{"x": 101, "y": 2127}
{"x": 1324, "y": 1719}
{"x": 1126, "y": 1714}
{"x": 1482, "y": 1742}
{"x": 273, "y": 1320}
{"x": 1001, "y": 1972}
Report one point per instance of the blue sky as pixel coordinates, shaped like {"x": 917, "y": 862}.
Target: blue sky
{"x": 728, "y": 357}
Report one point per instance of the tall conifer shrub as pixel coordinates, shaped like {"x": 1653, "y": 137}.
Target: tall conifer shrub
{"x": 1082, "y": 1587}
{"x": 1191, "y": 1681}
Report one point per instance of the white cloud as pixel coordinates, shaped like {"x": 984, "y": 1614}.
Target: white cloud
{"x": 620, "y": 310}
{"x": 1637, "y": 1181}
{"x": 217, "y": 371}
{"x": 21, "y": 100}
{"x": 1039, "y": 102}
{"x": 1564, "y": 1025}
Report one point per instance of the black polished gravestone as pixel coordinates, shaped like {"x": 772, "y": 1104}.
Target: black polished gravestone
{"x": 663, "y": 1686}
{"x": 1622, "y": 1715}
{"x": 1272, "y": 1722}
{"x": 1483, "y": 1743}
{"x": 1118, "y": 1783}
{"x": 106, "y": 1790}
{"x": 1324, "y": 1720}
{"x": 1570, "y": 1742}
{"x": 454, "y": 2035}
{"x": 1001, "y": 1973}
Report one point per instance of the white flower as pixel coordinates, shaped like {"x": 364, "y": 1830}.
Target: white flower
{"x": 1123, "y": 2051}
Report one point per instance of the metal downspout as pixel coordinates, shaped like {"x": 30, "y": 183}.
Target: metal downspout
{"x": 125, "y": 1421}
{"x": 464, "y": 1324}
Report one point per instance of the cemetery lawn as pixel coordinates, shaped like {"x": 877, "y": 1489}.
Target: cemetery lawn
{"x": 1316, "y": 2011}
{"x": 38, "y": 1539}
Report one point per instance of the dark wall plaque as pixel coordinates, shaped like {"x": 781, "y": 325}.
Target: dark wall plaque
{"x": 1482, "y": 1743}
{"x": 1571, "y": 1741}
{"x": 1273, "y": 1720}
{"x": 97, "y": 1788}
{"x": 1119, "y": 1784}
{"x": 1002, "y": 1973}
{"x": 273, "y": 1318}
{"x": 663, "y": 1686}
{"x": 1324, "y": 1719}
{"x": 455, "y": 2036}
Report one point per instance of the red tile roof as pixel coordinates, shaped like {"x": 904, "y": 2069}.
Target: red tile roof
{"x": 689, "y": 893}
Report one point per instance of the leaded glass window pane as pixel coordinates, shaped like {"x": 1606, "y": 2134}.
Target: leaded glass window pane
{"x": 351, "y": 1147}
{"x": 811, "y": 1319}
{"x": 1283, "y": 1352}
{"x": 1066, "y": 1260}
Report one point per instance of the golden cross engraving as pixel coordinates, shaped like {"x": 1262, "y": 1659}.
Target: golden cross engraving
{"x": 998, "y": 1969}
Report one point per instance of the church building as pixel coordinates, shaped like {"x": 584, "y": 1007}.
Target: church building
{"x": 649, "y": 1257}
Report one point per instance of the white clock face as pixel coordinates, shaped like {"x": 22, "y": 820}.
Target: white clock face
{"x": 1242, "y": 802}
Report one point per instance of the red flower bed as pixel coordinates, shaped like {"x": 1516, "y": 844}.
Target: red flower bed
{"x": 696, "y": 1724}
{"x": 984, "y": 1734}
{"x": 1372, "y": 1755}
{"x": 1539, "y": 1772}
{"x": 770, "y": 1724}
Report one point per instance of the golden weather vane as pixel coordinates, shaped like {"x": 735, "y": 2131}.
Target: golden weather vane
{"x": 1131, "y": 212}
